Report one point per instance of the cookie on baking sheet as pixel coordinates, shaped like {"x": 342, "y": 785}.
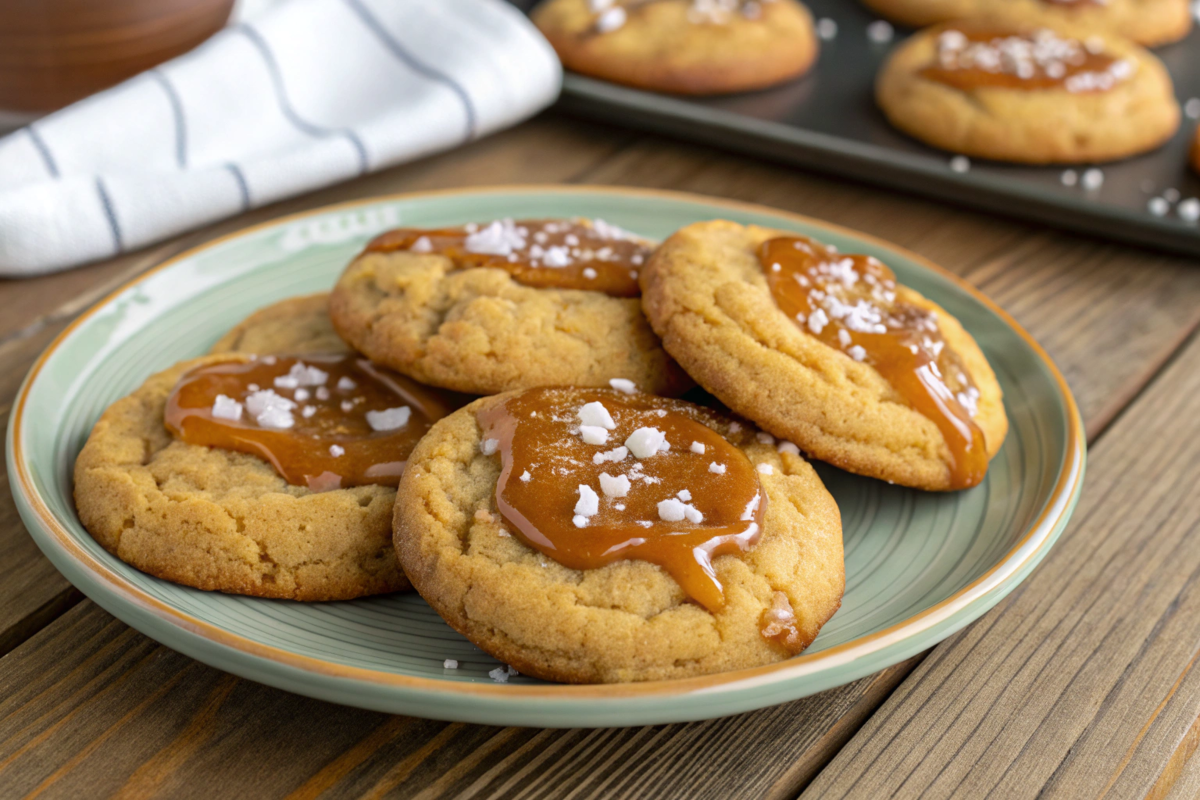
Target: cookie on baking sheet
{"x": 684, "y": 46}
{"x": 1147, "y": 22}
{"x": 507, "y": 305}
{"x": 267, "y": 476}
{"x": 1027, "y": 95}
{"x": 296, "y": 325}
{"x": 828, "y": 351}
{"x": 593, "y": 535}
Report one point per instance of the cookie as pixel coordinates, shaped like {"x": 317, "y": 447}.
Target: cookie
{"x": 507, "y": 305}
{"x": 589, "y": 535}
{"x": 204, "y": 477}
{"x": 828, "y": 352}
{"x": 1027, "y": 95}
{"x": 695, "y": 47}
{"x": 1147, "y": 22}
{"x": 296, "y": 325}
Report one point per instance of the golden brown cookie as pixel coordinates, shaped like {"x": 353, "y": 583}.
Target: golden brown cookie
{"x": 222, "y": 520}
{"x": 708, "y": 295}
{"x": 444, "y": 318}
{"x": 624, "y": 620}
{"x": 1147, "y": 22}
{"x": 296, "y": 325}
{"x": 684, "y": 46}
{"x": 1031, "y": 96}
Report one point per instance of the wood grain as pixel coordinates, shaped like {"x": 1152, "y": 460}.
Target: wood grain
{"x": 1111, "y": 316}
{"x": 1083, "y": 683}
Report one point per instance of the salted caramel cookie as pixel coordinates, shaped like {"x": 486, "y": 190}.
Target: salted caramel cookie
{"x": 1147, "y": 22}
{"x": 296, "y": 325}
{"x": 267, "y": 476}
{"x": 592, "y": 535}
{"x": 507, "y": 305}
{"x": 1028, "y": 95}
{"x": 685, "y": 46}
{"x": 826, "y": 350}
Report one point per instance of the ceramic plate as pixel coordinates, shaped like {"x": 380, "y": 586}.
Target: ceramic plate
{"x": 919, "y": 566}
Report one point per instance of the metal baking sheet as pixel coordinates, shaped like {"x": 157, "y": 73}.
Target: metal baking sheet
{"x": 828, "y": 121}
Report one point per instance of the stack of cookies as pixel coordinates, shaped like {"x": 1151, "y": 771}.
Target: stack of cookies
{"x": 492, "y": 414}
{"x": 1028, "y": 81}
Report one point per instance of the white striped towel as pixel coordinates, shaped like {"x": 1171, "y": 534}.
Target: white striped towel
{"x": 309, "y": 93}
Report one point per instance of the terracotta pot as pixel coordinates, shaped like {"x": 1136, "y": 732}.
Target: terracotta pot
{"x": 54, "y": 52}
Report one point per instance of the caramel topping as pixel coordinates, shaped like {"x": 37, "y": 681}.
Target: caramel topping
{"x": 970, "y": 58}
{"x": 547, "y": 253}
{"x": 779, "y": 624}
{"x": 592, "y": 476}
{"x": 851, "y": 303}
{"x": 323, "y": 421}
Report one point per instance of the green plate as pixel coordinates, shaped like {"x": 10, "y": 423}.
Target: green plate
{"x": 919, "y": 566}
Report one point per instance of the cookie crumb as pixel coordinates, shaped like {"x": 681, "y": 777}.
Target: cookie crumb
{"x": 483, "y": 515}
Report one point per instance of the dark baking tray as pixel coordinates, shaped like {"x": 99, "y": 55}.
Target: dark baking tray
{"x": 828, "y": 121}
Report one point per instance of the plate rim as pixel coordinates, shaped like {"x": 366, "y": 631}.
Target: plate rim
{"x": 1041, "y": 533}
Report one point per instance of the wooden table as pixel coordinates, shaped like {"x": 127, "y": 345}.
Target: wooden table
{"x": 1079, "y": 684}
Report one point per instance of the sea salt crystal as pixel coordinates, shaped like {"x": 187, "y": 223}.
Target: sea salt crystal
{"x": 766, "y": 469}
{"x": 880, "y": 31}
{"x": 308, "y": 411}
{"x": 623, "y": 385}
{"x": 1158, "y": 206}
{"x": 960, "y": 164}
{"x": 579, "y": 521}
{"x": 422, "y": 245}
{"x": 300, "y": 395}
{"x": 226, "y": 408}
{"x": 684, "y": 495}
{"x": 827, "y": 29}
{"x": 788, "y": 447}
{"x": 674, "y": 510}
{"x": 610, "y": 20}
{"x": 1189, "y": 210}
{"x": 1069, "y": 177}
{"x": 488, "y": 446}
{"x": 499, "y": 238}
{"x": 751, "y": 507}
{"x": 697, "y": 447}
{"x": 525, "y": 476}
{"x": 588, "y": 504}
{"x": 595, "y": 413}
{"x": 616, "y": 455}
{"x": 270, "y": 410}
{"x": 645, "y": 442}
{"x": 322, "y": 393}
{"x": 449, "y": 663}
{"x": 336, "y": 450}
{"x": 390, "y": 419}
{"x": 617, "y": 486}
{"x": 764, "y": 437}
{"x": 502, "y": 674}
{"x": 857, "y": 352}
{"x": 593, "y": 434}
{"x": 714, "y": 467}
{"x": 301, "y": 374}
{"x": 1093, "y": 179}
{"x": 589, "y": 273}
{"x": 346, "y": 384}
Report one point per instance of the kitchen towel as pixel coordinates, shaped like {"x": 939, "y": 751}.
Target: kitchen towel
{"x": 306, "y": 94}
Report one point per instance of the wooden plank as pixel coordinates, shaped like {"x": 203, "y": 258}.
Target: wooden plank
{"x": 1083, "y": 683}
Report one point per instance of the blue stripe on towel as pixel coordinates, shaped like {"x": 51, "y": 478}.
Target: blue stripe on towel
{"x": 177, "y": 112}
{"x": 106, "y": 202}
{"x": 401, "y": 52}
{"x": 286, "y": 106}
{"x": 40, "y": 144}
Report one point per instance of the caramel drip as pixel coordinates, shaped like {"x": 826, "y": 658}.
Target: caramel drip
{"x": 559, "y": 254}
{"x": 545, "y": 461}
{"x": 971, "y": 57}
{"x": 850, "y": 303}
{"x": 318, "y": 435}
